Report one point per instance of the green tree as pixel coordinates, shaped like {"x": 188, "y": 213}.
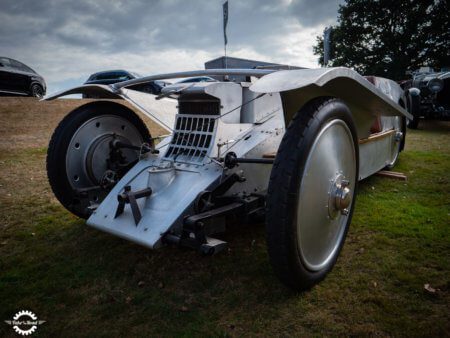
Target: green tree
{"x": 387, "y": 38}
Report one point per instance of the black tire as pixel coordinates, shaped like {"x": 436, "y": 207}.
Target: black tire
{"x": 414, "y": 110}
{"x": 284, "y": 187}
{"x": 413, "y": 124}
{"x": 58, "y": 150}
{"x": 37, "y": 91}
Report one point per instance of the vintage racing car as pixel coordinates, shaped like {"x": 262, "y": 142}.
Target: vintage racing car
{"x": 428, "y": 95}
{"x": 291, "y": 144}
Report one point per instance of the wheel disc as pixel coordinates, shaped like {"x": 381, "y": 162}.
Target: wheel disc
{"x": 325, "y": 195}
{"x": 395, "y": 141}
{"x": 88, "y": 152}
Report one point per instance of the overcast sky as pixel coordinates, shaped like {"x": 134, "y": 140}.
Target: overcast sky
{"x": 66, "y": 40}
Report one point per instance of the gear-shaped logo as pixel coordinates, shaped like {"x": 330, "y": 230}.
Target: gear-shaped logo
{"x": 25, "y": 322}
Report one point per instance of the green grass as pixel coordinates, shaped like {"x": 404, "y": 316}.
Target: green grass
{"x": 87, "y": 283}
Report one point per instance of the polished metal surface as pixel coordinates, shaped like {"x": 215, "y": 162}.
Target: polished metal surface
{"x": 340, "y": 196}
{"x": 207, "y": 72}
{"x": 174, "y": 190}
{"x": 365, "y": 100}
{"x": 395, "y": 143}
{"x": 97, "y": 90}
{"x": 176, "y": 186}
{"x": 88, "y": 151}
{"x": 331, "y": 161}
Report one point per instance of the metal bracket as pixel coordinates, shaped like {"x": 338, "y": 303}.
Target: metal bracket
{"x": 130, "y": 197}
{"x": 197, "y": 228}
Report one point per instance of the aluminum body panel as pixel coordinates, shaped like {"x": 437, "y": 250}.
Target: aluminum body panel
{"x": 176, "y": 183}
{"x": 93, "y": 89}
{"x": 365, "y": 100}
{"x": 161, "y": 111}
{"x": 230, "y": 96}
{"x": 257, "y": 110}
{"x": 174, "y": 190}
{"x": 375, "y": 155}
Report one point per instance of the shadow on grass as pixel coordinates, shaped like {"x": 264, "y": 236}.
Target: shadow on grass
{"x": 70, "y": 266}
{"x": 436, "y": 127}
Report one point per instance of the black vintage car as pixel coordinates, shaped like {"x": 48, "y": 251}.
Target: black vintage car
{"x": 113, "y": 76}
{"x": 428, "y": 95}
{"x": 19, "y": 79}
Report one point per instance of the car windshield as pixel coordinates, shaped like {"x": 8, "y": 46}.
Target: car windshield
{"x": 197, "y": 79}
{"x": 5, "y": 62}
{"x": 111, "y": 76}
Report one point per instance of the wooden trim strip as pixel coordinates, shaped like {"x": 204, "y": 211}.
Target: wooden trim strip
{"x": 377, "y": 136}
{"x": 269, "y": 155}
{"x": 392, "y": 174}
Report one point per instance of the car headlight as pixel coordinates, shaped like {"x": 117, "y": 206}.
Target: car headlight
{"x": 435, "y": 85}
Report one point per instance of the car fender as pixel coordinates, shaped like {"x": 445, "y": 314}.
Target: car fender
{"x": 160, "y": 111}
{"x": 366, "y": 100}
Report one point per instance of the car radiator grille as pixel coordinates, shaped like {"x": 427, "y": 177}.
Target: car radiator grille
{"x": 192, "y": 138}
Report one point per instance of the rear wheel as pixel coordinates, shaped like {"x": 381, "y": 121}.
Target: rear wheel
{"x": 397, "y": 141}
{"x": 414, "y": 110}
{"x": 412, "y": 124}
{"x": 37, "y": 91}
{"x": 312, "y": 193}
{"x": 82, "y": 162}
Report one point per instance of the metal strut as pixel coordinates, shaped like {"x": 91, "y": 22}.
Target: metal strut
{"x": 231, "y": 160}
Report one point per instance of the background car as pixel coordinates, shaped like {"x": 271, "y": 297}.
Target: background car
{"x": 428, "y": 95}
{"x": 114, "y": 76}
{"x": 18, "y": 79}
{"x": 198, "y": 79}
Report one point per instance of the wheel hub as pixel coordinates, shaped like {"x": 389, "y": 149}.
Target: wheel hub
{"x": 89, "y": 157}
{"x": 326, "y": 194}
{"x": 340, "y": 197}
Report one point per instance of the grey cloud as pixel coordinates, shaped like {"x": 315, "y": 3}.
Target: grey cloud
{"x": 105, "y": 28}
{"x": 186, "y": 24}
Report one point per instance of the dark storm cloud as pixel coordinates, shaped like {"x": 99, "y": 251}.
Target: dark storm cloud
{"x": 40, "y": 31}
{"x": 113, "y": 25}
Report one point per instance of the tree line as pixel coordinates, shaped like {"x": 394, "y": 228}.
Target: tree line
{"x": 388, "y": 38}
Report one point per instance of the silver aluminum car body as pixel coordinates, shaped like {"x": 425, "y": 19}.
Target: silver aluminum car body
{"x": 250, "y": 121}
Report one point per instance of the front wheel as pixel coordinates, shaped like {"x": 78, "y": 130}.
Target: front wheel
{"x": 82, "y": 162}
{"x": 311, "y": 193}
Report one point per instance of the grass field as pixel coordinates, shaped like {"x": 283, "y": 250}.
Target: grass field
{"x": 86, "y": 283}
